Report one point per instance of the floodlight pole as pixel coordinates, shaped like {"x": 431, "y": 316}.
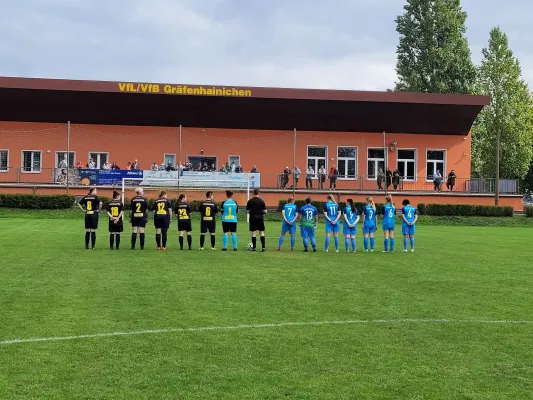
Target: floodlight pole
{"x": 68, "y": 156}
{"x": 497, "y": 189}
{"x": 294, "y": 165}
{"x": 179, "y": 161}
{"x": 385, "y": 164}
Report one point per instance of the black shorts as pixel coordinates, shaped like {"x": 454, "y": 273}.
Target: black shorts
{"x": 206, "y": 226}
{"x": 161, "y": 222}
{"x": 257, "y": 223}
{"x": 116, "y": 228}
{"x": 138, "y": 222}
{"x": 229, "y": 227}
{"x": 184, "y": 226}
{"x": 91, "y": 221}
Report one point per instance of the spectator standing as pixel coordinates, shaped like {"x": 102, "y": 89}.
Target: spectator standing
{"x": 437, "y": 180}
{"x": 333, "y": 175}
{"x": 106, "y": 166}
{"x": 136, "y": 166}
{"x": 128, "y": 166}
{"x": 309, "y": 175}
{"x": 79, "y": 164}
{"x": 381, "y": 178}
{"x": 285, "y": 177}
{"x": 254, "y": 170}
{"x": 239, "y": 169}
{"x": 232, "y": 167}
{"x": 388, "y": 177}
{"x": 91, "y": 164}
{"x": 450, "y": 182}
{"x": 63, "y": 163}
{"x": 396, "y": 179}
{"x": 321, "y": 177}
{"x": 114, "y": 165}
{"x": 296, "y": 176}
{"x": 155, "y": 167}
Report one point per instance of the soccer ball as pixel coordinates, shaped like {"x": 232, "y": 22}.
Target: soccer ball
{"x": 250, "y": 246}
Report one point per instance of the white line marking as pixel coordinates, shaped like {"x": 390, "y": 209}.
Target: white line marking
{"x": 260, "y": 326}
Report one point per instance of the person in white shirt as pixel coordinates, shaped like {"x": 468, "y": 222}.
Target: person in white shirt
{"x": 321, "y": 177}
{"x": 296, "y": 176}
{"x": 437, "y": 180}
{"x": 63, "y": 163}
{"x": 310, "y": 174}
{"x": 91, "y": 164}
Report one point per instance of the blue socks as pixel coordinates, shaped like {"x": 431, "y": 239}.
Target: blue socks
{"x": 313, "y": 243}
{"x": 336, "y": 238}
{"x": 306, "y": 243}
{"x": 365, "y": 242}
{"x": 326, "y": 246}
{"x": 347, "y": 244}
{"x": 293, "y": 241}
{"x": 234, "y": 240}
{"x": 353, "y": 244}
{"x": 225, "y": 241}
{"x": 280, "y": 242}
{"x": 372, "y": 243}
{"x": 405, "y": 244}
{"x": 412, "y": 240}
{"x": 391, "y": 244}
{"x": 386, "y": 244}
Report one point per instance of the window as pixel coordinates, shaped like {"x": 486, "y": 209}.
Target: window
{"x": 435, "y": 161}
{"x": 376, "y": 162}
{"x": 200, "y": 163}
{"x": 347, "y": 162}
{"x": 407, "y": 164}
{"x": 4, "y": 160}
{"x": 316, "y": 157}
{"x": 99, "y": 158}
{"x": 60, "y": 157}
{"x": 31, "y": 161}
{"x": 170, "y": 158}
{"x": 236, "y": 160}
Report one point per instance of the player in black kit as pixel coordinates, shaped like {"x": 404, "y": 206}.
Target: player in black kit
{"x": 162, "y": 217}
{"x": 115, "y": 211}
{"x": 183, "y": 213}
{"x": 208, "y": 211}
{"x": 256, "y": 209}
{"x": 92, "y": 205}
{"x": 138, "y": 217}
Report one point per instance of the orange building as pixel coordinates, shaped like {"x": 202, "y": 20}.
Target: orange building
{"x": 359, "y": 133}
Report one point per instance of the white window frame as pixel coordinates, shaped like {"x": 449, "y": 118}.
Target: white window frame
{"x": 342, "y": 177}
{"x": 40, "y": 161}
{"x": 95, "y": 161}
{"x": 169, "y": 154}
{"x": 398, "y": 160}
{"x": 204, "y": 156}
{"x": 64, "y": 151}
{"x": 233, "y": 155}
{"x": 316, "y": 158}
{"x": 444, "y": 162}
{"x": 385, "y": 163}
{"x": 7, "y": 166}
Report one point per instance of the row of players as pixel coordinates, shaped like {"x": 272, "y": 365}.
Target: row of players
{"x": 306, "y": 217}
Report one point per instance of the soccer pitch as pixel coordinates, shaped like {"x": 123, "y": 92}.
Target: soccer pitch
{"x": 454, "y": 320}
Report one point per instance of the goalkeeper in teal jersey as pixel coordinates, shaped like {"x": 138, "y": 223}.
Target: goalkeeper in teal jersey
{"x": 229, "y": 221}
{"x": 290, "y": 215}
{"x": 308, "y": 217}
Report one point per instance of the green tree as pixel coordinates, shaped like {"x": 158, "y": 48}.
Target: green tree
{"x": 433, "y": 53}
{"x": 510, "y": 113}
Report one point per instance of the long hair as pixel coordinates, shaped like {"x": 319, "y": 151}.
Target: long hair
{"x": 180, "y": 199}
{"x": 370, "y": 201}
{"x": 350, "y": 203}
{"x": 162, "y": 194}
{"x": 388, "y": 199}
{"x": 116, "y": 195}
{"x": 290, "y": 200}
{"x": 229, "y": 193}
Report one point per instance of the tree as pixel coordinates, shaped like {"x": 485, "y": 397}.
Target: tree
{"x": 510, "y": 113}
{"x": 433, "y": 53}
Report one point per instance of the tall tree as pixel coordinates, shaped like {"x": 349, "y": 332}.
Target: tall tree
{"x": 510, "y": 113}
{"x": 433, "y": 53}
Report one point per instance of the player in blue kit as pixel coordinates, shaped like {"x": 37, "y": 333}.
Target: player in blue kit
{"x": 388, "y": 224}
{"x": 333, "y": 215}
{"x": 290, "y": 215}
{"x": 409, "y": 216}
{"x": 229, "y": 221}
{"x": 308, "y": 217}
{"x": 351, "y": 218}
{"x": 369, "y": 224}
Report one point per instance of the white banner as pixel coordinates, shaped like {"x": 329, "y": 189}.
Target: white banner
{"x": 201, "y": 179}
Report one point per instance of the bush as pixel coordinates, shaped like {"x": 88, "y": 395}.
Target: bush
{"x": 33, "y": 201}
{"x": 464, "y": 210}
{"x": 528, "y": 211}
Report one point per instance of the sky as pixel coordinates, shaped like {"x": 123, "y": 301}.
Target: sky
{"x": 340, "y": 44}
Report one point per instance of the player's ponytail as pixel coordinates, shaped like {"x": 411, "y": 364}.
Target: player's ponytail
{"x": 162, "y": 194}
{"x": 388, "y": 199}
{"x": 290, "y": 200}
{"x": 229, "y": 193}
{"x": 116, "y": 194}
{"x": 182, "y": 196}
{"x": 91, "y": 190}
{"x": 350, "y": 203}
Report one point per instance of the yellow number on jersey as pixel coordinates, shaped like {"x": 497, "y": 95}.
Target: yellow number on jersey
{"x": 161, "y": 208}
{"x": 114, "y": 211}
{"x": 229, "y": 211}
{"x": 208, "y": 212}
{"x": 138, "y": 207}
{"x": 183, "y": 213}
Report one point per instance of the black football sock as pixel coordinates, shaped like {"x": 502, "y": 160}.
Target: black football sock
{"x": 93, "y": 239}
{"x": 254, "y": 241}
{"x": 158, "y": 240}
{"x": 133, "y": 240}
{"x": 117, "y": 240}
{"x": 213, "y": 241}
{"x": 181, "y": 242}
{"x": 142, "y": 240}
{"x": 111, "y": 241}
{"x": 263, "y": 242}
{"x": 164, "y": 237}
{"x": 87, "y": 238}
{"x": 202, "y": 241}
{"x": 189, "y": 240}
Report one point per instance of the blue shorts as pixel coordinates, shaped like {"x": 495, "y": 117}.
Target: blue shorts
{"x": 388, "y": 226}
{"x": 369, "y": 228}
{"x": 307, "y": 232}
{"x": 285, "y": 227}
{"x": 346, "y": 230}
{"x": 408, "y": 229}
{"x": 330, "y": 228}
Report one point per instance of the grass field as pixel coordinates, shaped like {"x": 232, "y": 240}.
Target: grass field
{"x": 452, "y": 321}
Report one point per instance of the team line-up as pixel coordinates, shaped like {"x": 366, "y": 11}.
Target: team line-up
{"x": 306, "y": 217}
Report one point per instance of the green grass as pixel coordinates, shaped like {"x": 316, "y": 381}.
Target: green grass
{"x": 50, "y": 286}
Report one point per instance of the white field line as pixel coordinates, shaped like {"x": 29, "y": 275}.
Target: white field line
{"x": 262, "y": 326}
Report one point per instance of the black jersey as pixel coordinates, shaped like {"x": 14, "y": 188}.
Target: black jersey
{"x": 115, "y": 208}
{"x": 139, "y": 207}
{"x": 183, "y": 211}
{"x": 91, "y": 203}
{"x": 162, "y": 207}
{"x": 208, "y": 210}
{"x": 256, "y": 207}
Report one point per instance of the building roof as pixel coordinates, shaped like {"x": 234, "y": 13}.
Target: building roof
{"x": 214, "y": 106}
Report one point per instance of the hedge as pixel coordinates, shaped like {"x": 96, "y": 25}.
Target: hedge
{"x": 464, "y": 210}
{"x": 33, "y": 201}
{"x": 528, "y": 211}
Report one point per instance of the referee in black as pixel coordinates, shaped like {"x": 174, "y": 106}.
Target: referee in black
{"x": 256, "y": 209}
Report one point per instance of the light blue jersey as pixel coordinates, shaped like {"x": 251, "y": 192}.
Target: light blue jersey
{"x": 369, "y": 225}
{"x": 389, "y": 217}
{"x": 332, "y": 210}
{"x": 351, "y": 217}
{"x": 291, "y": 211}
{"x": 409, "y": 212}
{"x": 229, "y": 211}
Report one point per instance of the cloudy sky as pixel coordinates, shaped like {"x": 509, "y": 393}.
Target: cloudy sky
{"x": 340, "y": 44}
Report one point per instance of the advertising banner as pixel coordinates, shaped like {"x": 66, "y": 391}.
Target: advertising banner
{"x": 201, "y": 179}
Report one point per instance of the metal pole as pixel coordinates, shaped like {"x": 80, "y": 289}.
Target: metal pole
{"x": 385, "y": 164}
{"x": 294, "y": 165}
{"x": 68, "y": 155}
{"x": 497, "y": 191}
{"x": 179, "y": 161}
